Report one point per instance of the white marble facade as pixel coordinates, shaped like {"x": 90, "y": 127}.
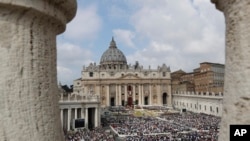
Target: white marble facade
{"x": 118, "y": 83}
{"x": 74, "y": 106}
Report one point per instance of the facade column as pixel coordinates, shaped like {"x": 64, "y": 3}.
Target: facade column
{"x": 82, "y": 112}
{"x": 116, "y": 95}
{"x": 28, "y": 75}
{"x": 126, "y": 94}
{"x": 139, "y": 95}
{"x": 159, "y": 95}
{"x": 86, "y": 118}
{"x": 134, "y": 93}
{"x": 96, "y": 117}
{"x": 120, "y": 95}
{"x": 75, "y": 113}
{"x": 150, "y": 95}
{"x": 107, "y": 96}
{"x": 169, "y": 96}
{"x": 237, "y": 72}
{"x": 142, "y": 95}
{"x": 69, "y": 118}
{"x": 61, "y": 116}
{"x": 99, "y": 115}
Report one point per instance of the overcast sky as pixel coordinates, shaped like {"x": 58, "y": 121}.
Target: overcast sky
{"x": 179, "y": 33}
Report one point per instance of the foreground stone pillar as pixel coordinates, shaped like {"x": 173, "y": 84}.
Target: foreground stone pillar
{"x": 29, "y": 108}
{"x": 236, "y": 102}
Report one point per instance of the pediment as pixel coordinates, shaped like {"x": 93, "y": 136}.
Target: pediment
{"x": 130, "y": 76}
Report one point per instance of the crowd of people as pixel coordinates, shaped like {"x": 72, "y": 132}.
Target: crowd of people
{"x": 183, "y": 127}
{"x": 198, "y": 121}
{"x": 168, "y": 127}
{"x": 97, "y": 134}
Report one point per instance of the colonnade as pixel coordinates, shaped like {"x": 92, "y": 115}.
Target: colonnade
{"x": 136, "y": 94}
{"x": 67, "y": 119}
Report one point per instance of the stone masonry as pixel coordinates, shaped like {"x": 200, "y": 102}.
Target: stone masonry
{"x": 29, "y": 95}
{"x": 236, "y": 103}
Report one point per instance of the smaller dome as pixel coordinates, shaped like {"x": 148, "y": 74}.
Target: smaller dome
{"x": 113, "y": 56}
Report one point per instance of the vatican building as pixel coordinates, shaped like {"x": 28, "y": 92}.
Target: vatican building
{"x": 113, "y": 83}
{"x": 117, "y": 83}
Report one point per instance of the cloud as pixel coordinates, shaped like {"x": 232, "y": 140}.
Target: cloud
{"x": 179, "y": 33}
{"x": 85, "y": 25}
{"x": 71, "y": 57}
{"x": 124, "y": 36}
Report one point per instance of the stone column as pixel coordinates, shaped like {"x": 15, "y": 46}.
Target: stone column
{"x": 96, "y": 117}
{"x": 116, "y": 95}
{"x": 126, "y": 95}
{"x": 150, "y": 95}
{"x": 82, "y": 112}
{"x": 139, "y": 99}
{"x": 98, "y": 92}
{"x": 142, "y": 90}
{"x": 169, "y": 97}
{"x": 107, "y": 97}
{"x": 133, "y": 93}
{"x": 75, "y": 113}
{"x": 86, "y": 118}
{"x": 29, "y": 92}
{"x": 120, "y": 95}
{"x": 159, "y": 95}
{"x": 69, "y": 118}
{"x": 237, "y": 83}
{"x": 61, "y": 117}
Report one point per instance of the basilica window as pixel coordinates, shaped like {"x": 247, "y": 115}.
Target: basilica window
{"x": 136, "y": 102}
{"x": 163, "y": 74}
{"x": 91, "y": 74}
{"x": 129, "y": 88}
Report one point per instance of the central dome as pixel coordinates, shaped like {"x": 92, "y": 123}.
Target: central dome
{"x": 113, "y": 57}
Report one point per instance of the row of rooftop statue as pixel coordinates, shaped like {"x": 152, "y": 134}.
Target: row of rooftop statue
{"x": 136, "y": 66}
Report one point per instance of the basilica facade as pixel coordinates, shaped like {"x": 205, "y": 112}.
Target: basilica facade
{"x": 117, "y": 83}
{"x": 113, "y": 82}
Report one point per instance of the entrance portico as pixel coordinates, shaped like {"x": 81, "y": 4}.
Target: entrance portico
{"x": 80, "y": 107}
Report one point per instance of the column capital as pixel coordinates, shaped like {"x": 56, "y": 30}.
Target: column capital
{"x": 28, "y": 40}
{"x": 229, "y": 5}
{"x": 57, "y": 12}
{"x": 218, "y": 4}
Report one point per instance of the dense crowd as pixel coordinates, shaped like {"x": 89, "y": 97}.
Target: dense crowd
{"x": 198, "y": 121}
{"x": 183, "y": 127}
{"x": 168, "y": 127}
{"x": 97, "y": 134}
{"x": 145, "y": 125}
